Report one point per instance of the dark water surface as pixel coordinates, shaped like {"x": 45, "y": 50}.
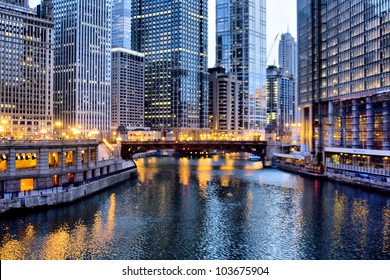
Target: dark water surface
{"x": 216, "y": 208}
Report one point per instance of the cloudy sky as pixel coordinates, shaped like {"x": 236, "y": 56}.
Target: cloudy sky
{"x": 281, "y": 14}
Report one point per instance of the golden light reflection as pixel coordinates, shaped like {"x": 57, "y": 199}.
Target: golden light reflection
{"x": 225, "y": 180}
{"x": 147, "y": 169}
{"x": 359, "y": 218}
{"x": 57, "y": 244}
{"x": 386, "y": 231}
{"x": 184, "y": 171}
{"x": 204, "y": 175}
{"x": 111, "y": 215}
{"x": 13, "y": 249}
{"x": 338, "y": 216}
{"x": 229, "y": 165}
{"x": 254, "y": 166}
{"x": 75, "y": 243}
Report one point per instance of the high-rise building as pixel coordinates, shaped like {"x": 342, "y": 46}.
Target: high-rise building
{"x": 127, "y": 84}
{"x": 173, "y": 37}
{"x": 241, "y": 49}
{"x": 82, "y": 73}
{"x": 128, "y": 71}
{"x": 121, "y": 24}
{"x": 344, "y": 74}
{"x": 280, "y": 99}
{"x": 26, "y": 72}
{"x": 23, "y": 3}
{"x": 224, "y": 89}
{"x": 288, "y": 60}
{"x": 288, "y": 54}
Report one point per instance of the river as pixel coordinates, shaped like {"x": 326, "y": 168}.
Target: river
{"x": 210, "y": 208}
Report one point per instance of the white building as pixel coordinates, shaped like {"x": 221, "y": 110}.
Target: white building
{"x": 82, "y": 73}
{"x": 128, "y": 80}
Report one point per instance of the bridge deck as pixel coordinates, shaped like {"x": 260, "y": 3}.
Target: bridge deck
{"x": 255, "y": 147}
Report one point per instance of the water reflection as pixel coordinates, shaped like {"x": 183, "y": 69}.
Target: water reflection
{"x": 210, "y": 208}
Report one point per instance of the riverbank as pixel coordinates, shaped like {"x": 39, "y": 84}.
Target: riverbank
{"x": 66, "y": 194}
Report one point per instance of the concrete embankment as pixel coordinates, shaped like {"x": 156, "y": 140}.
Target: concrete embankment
{"x": 67, "y": 194}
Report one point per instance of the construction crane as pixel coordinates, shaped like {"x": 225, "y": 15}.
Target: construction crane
{"x": 272, "y": 47}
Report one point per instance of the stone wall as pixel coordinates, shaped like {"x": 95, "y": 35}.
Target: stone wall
{"x": 69, "y": 195}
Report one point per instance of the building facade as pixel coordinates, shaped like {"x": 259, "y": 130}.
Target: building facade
{"x": 23, "y": 3}
{"x": 26, "y": 72}
{"x": 344, "y": 74}
{"x": 82, "y": 71}
{"x": 224, "y": 90}
{"x": 127, "y": 85}
{"x": 173, "y": 37}
{"x": 288, "y": 54}
{"x": 241, "y": 49}
{"x": 288, "y": 60}
{"x": 121, "y": 24}
{"x": 280, "y": 99}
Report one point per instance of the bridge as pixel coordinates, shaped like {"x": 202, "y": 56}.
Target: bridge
{"x": 258, "y": 148}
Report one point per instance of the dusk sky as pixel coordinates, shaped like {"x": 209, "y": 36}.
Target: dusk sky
{"x": 281, "y": 14}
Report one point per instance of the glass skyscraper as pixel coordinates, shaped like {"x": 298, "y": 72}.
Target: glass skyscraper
{"x": 121, "y": 24}
{"x": 82, "y": 71}
{"x": 241, "y": 49}
{"x": 173, "y": 37}
{"x": 344, "y": 74}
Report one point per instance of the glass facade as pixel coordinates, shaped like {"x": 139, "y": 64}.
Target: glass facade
{"x": 26, "y": 72}
{"x": 121, "y": 24}
{"x": 173, "y": 37}
{"x": 344, "y": 73}
{"x": 241, "y": 49}
{"x": 82, "y": 73}
{"x": 280, "y": 99}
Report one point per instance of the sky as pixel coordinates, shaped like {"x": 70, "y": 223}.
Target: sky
{"x": 281, "y": 16}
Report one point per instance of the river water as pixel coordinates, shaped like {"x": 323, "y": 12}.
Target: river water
{"x": 213, "y": 208}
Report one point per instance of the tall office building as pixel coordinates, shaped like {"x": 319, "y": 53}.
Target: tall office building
{"x": 23, "y": 3}
{"x": 127, "y": 84}
{"x": 128, "y": 71}
{"x": 82, "y": 73}
{"x": 224, "y": 89}
{"x": 288, "y": 60}
{"x": 173, "y": 37}
{"x": 26, "y": 72}
{"x": 344, "y": 74}
{"x": 280, "y": 99}
{"x": 288, "y": 54}
{"x": 121, "y": 24}
{"x": 241, "y": 49}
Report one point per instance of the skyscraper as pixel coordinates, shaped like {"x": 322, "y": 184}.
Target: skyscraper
{"x": 280, "y": 99}
{"x": 241, "y": 49}
{"x": 121, "y": 24}
{"x": 288, "y": 54}
{"x": 26, "y": 72}
{"x": 127, "y": 84}
{"x": 288, "y": 61}
{"x": 173, "y": 37}
{"x": 128, "y": 71}
{"x": 223, "y": 101}
{"x": 344, "y": 74}
{"x": 82, "y": 73}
